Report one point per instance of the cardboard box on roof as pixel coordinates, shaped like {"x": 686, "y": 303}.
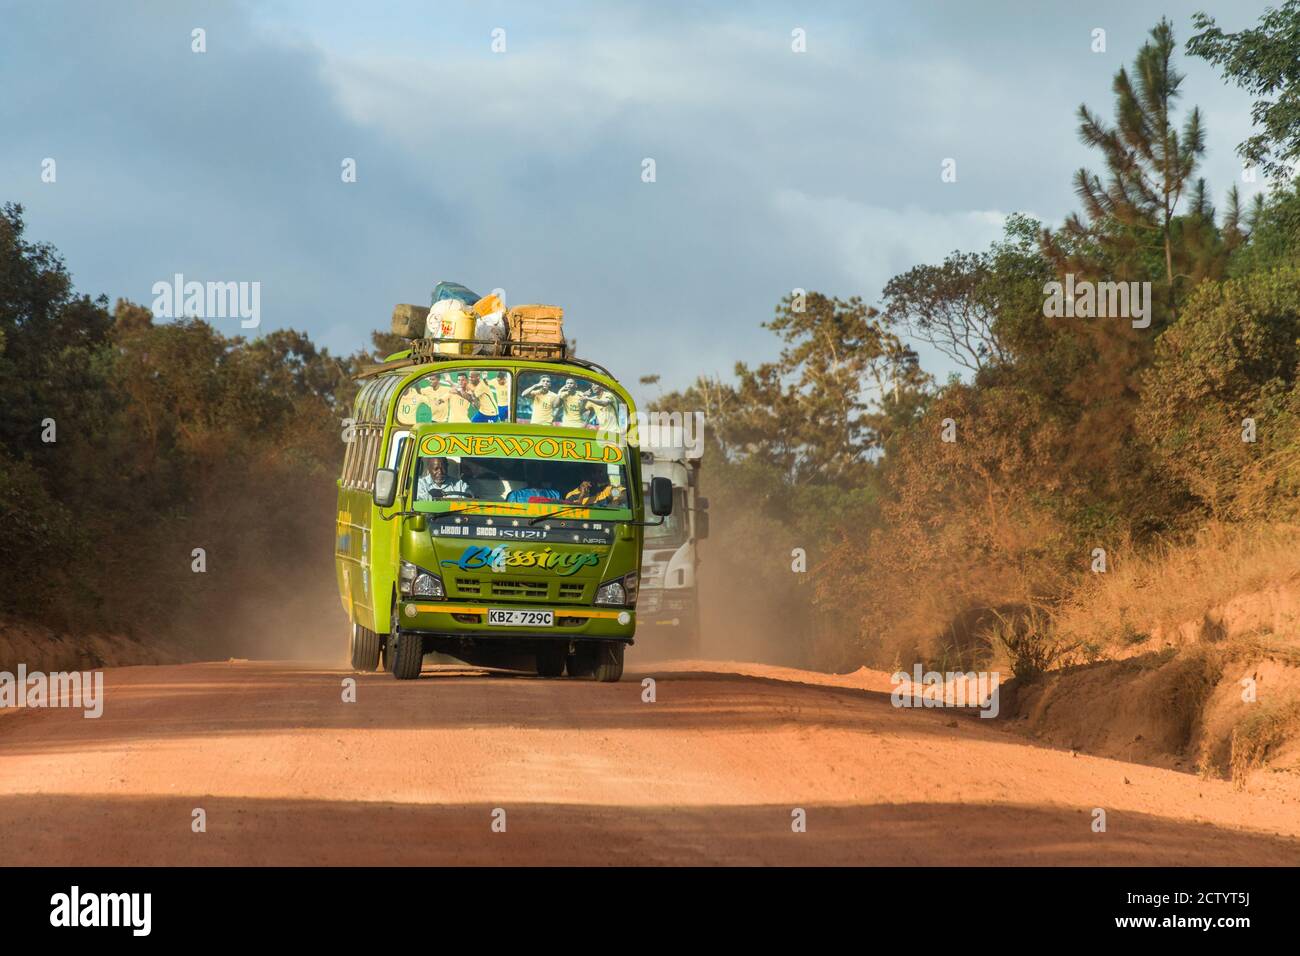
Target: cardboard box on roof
{"x": 409, "y": 320}
{"x": 541, "y": 324}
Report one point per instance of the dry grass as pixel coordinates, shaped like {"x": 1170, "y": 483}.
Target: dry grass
{"x": 1256, "y": 735}
{"x": 1220, "y": 600}
{"x": 1184, "y": 686}
{"x": 1028, "y": 641}
{"x": 1177, "y": 582}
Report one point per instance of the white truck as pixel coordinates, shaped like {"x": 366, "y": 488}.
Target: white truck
{"x": 668, "y": 606}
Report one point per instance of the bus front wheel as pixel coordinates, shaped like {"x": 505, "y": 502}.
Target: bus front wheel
{"x": 609, "y": 662}
{"x": 405, "y": 651}
{"x": 365, "y": 649}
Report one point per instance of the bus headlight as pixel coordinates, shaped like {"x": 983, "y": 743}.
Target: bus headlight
{"x": 415, "y": 582}
{"x": 621, "y": 591}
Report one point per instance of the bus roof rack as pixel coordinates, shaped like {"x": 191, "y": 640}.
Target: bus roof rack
{"x": 422, "y": 352}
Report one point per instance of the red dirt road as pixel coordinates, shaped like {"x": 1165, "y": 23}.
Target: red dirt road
{"x": 586, "y": 773}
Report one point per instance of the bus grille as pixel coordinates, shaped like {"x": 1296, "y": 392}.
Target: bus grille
{"x": 520, "y": 589}
{"x": 569, "y": 591}
{"x": 572, "y": 591}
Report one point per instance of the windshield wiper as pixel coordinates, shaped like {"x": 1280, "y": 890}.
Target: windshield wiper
{"x": 564, "y": 510}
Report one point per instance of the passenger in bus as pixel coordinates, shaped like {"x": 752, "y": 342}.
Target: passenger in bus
{"x": 436, "y": 483}
{"x": 597, "y": 490}
{"x": 537, "y": 485}
{"x": 589, "y": 493}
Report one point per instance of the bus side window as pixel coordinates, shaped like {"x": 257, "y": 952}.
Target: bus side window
{"x": 395, "y": 446}
{"x": 353, "y": 456}
{"x": 397, "y": 457}
{"x": 372, "y": 458}
{"x": 359, "y": 456}
{"x": 347, "y": 462}
{"x": 353, "y": 448}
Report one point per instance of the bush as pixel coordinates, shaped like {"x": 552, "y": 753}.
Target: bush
{"x": 40, "y": 545}
{"x": 1233, "y": 355}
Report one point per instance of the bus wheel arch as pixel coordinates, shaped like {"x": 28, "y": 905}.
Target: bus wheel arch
{"x": 405, "y": 654}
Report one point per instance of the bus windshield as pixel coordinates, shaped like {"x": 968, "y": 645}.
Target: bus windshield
{"x": 446, "y": 479}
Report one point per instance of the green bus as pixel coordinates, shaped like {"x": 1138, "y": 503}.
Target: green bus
{"x": 491, "y": 509}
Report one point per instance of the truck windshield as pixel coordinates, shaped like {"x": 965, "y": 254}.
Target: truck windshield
{"x": 441, "y": 481}
{"x": 673, "y": 530}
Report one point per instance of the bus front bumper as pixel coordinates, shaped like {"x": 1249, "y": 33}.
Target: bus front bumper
{"x": 469, "y": 619}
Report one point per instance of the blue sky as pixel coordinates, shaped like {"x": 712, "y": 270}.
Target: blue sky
{"x": 522, "y": 169}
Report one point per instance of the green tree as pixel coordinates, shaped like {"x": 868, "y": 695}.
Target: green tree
{"x": 1265, "y": 62}
{"x": 979, "y": 309}
{"x": 1271, "y": 233}
{"x": 1221, "y": 404}
{"x": 52, "y": 363}
{"x": 1149, "y": 167}
{"x": 827, "y": 396}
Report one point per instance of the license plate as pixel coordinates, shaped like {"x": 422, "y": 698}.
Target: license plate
{"x": 513, "y": 617}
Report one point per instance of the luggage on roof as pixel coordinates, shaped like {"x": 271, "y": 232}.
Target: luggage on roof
{"x": 453, "y": 290}
{"x": 409, "y": 320}
{"x": 536, "y": 331}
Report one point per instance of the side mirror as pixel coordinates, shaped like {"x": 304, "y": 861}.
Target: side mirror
{"x": 701, "y": 525}
{"x": 661, "y": 497}
{"x": 702, "y": 504}
{"x": 385, "y": 487}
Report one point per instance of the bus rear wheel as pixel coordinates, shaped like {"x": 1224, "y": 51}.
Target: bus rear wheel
{"x": 405, "y": 651}
{"x": 550, "y": 661}
{"x": 364, "y": 647}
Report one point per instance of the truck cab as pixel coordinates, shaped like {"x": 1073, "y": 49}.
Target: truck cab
{"x": 669, "y": 603}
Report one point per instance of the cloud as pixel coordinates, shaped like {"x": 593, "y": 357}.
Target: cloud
{"x": 775, "y": 170}
{"x": 870, "y": 244}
